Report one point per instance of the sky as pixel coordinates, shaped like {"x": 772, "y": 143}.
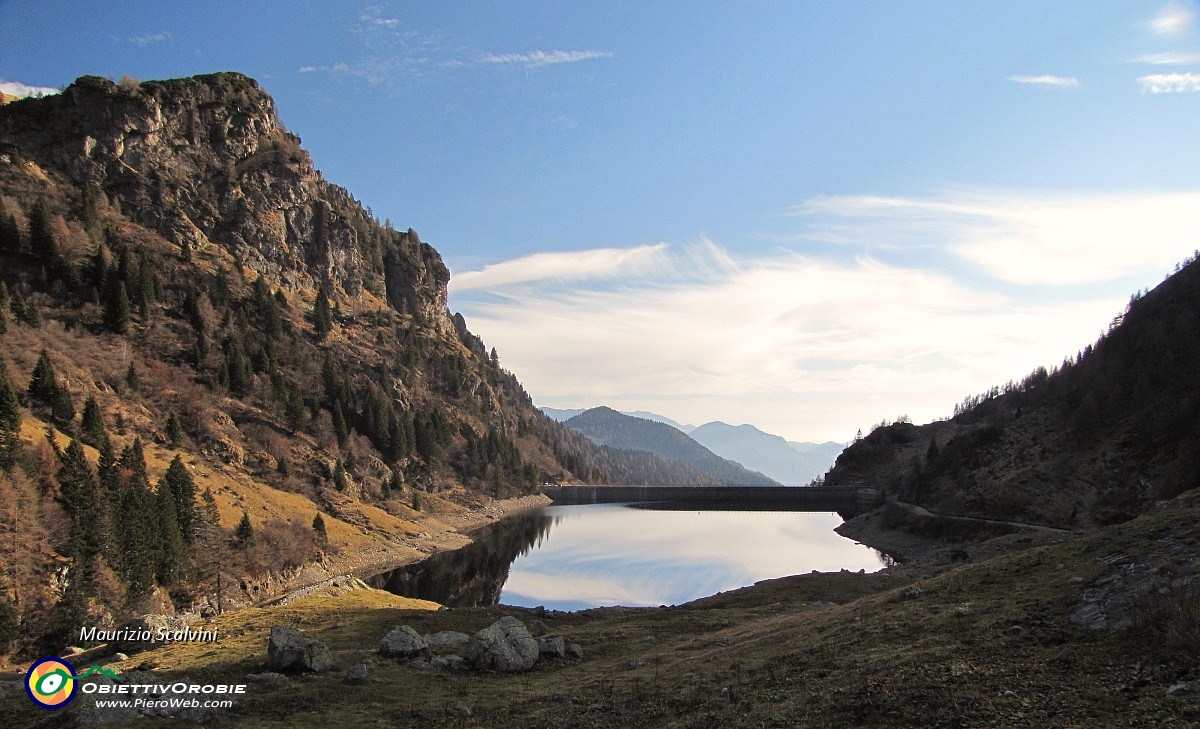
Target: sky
{"x": 809, "y": 216}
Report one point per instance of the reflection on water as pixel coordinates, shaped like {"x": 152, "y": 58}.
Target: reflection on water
{"x": 575, "y": 557}
{"x": 473, "y": 575}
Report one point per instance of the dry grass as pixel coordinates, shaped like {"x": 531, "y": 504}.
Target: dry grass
{"x": 987, "y": 643}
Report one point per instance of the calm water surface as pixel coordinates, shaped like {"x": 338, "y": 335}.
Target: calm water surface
{"x": 576, "y": 557}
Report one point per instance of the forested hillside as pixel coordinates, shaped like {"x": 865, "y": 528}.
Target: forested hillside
{"x": 1097, "y": 440}
{"x": 219, "y": 367}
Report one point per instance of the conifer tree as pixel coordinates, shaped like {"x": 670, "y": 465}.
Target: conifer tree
{"x": 179, "y": 483}
{"x": 340, "y": 480}
{"x": 43, "y": 384}
{"x": 10, "y": 234}
{"x": 80, "y": 498}
{"x": 10, "y": 420}
{"x": 91, "y": 425}
{"x": 132, "y": 380}
{"x": 318, "y": 527}
{"x": 135, "y": 523}
{"x": 174, "y": 430}
{"x": 10, "y": 406}
{"x": 117, "y": 311}
{"x": 243, "y": 534}
{"x": 171, "y": 547}
{"x": 340, "y": 431}
{"x": 42, "y": 243}
{"x": 322, "y": 317}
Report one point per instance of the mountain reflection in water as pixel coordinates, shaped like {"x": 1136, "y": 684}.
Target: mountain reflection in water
{"x": 576, "y": 557}
{"x": 474, "y": 575}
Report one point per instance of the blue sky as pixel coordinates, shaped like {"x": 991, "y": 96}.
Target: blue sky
{"x": 809, "y": 216}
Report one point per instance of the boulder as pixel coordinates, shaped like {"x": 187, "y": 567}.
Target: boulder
{"x": 356, "y": 674}
{"x": 402, "y": 641}
{"x": 505, "y": 645}
{"x": 575, "y": 650}
{"x": 552, "y": 645}
{"x": 447, "y": 642}
{"x": 290, "y": 650}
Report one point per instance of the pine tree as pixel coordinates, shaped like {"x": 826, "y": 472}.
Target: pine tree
{"x": 171, "y": 548}
{"x": 179, "y": 483}
{"x": 10, "y": 234}
{"x": 62, "y": 409}
{"x": 10, "y": 406}
{"x": 91, "y": 425}
{"x": 132, "y": 380}
{"x": 10, "y": 421}
{"x": 174, "y": 430}
{"x": 43, "y": 385}
{"x": 42, "y": 243}
{"x": 340, "y": 431}
{"x": 318, "y": 527}
{"x": 135, "y": 526}
{"x": 80, "y": 499}
{"x": 117, "y": 311}
{"x": 322, "y": 317}
{"x": 243, "y": 535}
{"x": 340, "y": 480}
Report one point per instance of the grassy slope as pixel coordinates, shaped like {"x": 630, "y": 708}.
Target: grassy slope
{"x": 986, "y": 643}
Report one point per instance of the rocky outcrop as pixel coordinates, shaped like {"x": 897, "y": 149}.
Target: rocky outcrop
{"x": 505, "y": 645}
{"x": 291, "y": 650}
{"x": 206, "y": 161}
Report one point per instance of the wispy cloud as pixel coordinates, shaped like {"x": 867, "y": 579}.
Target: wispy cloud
{"x": 145, "y": 40}
{"x": 16, "y": 88}
{"x": 1170, "y": 83}
{"x": 537, "y": 59}
{"x": 1027, "y": 238}
{"x": 816, "y": 346}
{"x": 564, "y": 266}
{"x": 1173, "y": 58}
{"x": 1173, "y": 21}
{"x": 1061, "y": 82}
{"x": 374, "y": 16}
{"x": 306, "y": 69}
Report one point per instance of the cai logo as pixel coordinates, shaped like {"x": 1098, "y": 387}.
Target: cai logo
{"x": 51, "y": 682}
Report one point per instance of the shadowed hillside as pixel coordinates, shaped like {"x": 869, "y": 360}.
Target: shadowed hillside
{"x": 179, "y": 285}
{"x": 1095, "y": 441}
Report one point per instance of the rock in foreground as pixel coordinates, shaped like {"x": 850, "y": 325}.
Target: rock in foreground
{"x": 506, "y": 646}
{"x": 290, "y": 650}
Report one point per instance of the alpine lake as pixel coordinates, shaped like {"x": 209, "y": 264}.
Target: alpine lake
{"x": 634, "y": 555}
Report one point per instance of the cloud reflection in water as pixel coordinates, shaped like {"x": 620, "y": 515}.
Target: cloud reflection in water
{"x": 613, "y": 555}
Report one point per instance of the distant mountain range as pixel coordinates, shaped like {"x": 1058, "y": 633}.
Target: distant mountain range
{"x": 607, "y": 427}
{"x": 788, "y": 462}
{"x": 785, "y": 461}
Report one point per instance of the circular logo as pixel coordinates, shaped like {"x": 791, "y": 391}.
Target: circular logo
{"x": 50, "y": 683}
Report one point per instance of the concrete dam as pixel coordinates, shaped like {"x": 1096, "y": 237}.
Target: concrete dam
{"x": 847, "y": 501}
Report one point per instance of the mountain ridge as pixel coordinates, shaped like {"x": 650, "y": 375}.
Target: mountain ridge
{"x": 608, "y": 427}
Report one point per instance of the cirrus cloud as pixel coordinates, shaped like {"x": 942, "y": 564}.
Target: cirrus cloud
{"x": 1047, "y": 81}
{"x": 859, "y": 328}
{"x": 537, "y": 59}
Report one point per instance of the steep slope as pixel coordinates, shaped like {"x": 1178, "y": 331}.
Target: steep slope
{"x": 178, "y": 280}
{"x": 608, "y": 427}
{"x": 1095, "y": 441}
{"x": 790, "y": 463}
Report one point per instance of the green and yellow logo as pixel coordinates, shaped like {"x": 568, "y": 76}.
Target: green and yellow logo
{"x": 51, "y": 682}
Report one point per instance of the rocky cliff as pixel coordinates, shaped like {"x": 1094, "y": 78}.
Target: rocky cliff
{"x": 205, "y": 161}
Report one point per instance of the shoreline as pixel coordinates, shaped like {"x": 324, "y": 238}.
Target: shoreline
{"x": 440, "y": 533}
